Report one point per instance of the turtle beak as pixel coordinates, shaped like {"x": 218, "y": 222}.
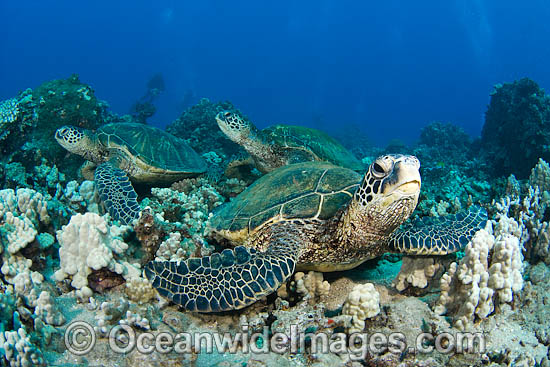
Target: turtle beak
{"x": 410, "y": 188}
{"x": 407, "y": 175}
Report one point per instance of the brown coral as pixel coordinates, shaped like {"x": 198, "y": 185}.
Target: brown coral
{"x": 103, "y": 279}
{"x": 150, "y": 234}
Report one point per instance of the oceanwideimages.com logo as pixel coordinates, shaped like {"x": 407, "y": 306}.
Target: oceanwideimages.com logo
{"x": 80, "y": 338}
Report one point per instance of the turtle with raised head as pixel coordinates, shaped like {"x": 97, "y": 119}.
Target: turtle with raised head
{"x": 310, "y": 216}
{"x": 129, "y": 151}
{"x": 280, "y": 145}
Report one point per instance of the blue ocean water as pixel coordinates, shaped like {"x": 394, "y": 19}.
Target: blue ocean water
{"x": 391, "y": 67}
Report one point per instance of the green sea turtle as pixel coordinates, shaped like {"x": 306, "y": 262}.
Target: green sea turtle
{"x": 125, "y": 151}
{"x": 280, "y": 145}
{"x": 310, "y": 216}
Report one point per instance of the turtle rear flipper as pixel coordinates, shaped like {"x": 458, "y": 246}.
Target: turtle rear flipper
{"x": 117, "y": 193}
{"x": 229, "y": 280}
{"x": 439, "y": 236}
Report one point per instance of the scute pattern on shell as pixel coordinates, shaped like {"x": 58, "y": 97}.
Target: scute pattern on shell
{"x": 323, "y": 146}
{"x": 155, "y": 147}
{"x": 302, "y": 190}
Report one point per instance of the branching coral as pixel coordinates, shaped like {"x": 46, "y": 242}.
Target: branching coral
{"x": 118, "y": 312}
{"x": 227, "y": 187}
{"x": 528, "y": 213}
{"x": 40, "y": 177}
{"x": 47, "y": 310}
{"x": 18, "y": 349}
{"x": 490, "y": 274}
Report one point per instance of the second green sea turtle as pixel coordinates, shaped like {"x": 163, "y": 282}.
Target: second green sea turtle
{"x": 280, "y": 145}
{"x": 124, "y": 151}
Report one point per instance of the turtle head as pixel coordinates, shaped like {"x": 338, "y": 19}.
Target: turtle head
{"x": 387, "y": 195}
{"x": 234, "y": 126}
{"x": 74, "y": 139}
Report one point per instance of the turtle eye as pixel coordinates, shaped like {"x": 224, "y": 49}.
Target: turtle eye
{"x": 227, "y": 114}
{"x": 377, "y": 169}
{"x": 60, "y": 133}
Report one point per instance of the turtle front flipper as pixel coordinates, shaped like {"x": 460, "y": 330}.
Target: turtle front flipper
{"x": 117, "y": 193}
{"x": 438, "y": 236}
{"x": 87, "y": 170}
{"x": 241, "y": 167}
{"x": 229, "y": 280}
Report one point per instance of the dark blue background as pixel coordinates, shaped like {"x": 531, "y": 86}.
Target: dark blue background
{"x": 391, "y": 66}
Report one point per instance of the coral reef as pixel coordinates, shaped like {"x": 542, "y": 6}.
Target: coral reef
{"x": 28, "y": 123}
{"x": 452, "y": 171}
{"x": 28, "y": 309}
{"x": 183, "y": 217}
{"x": 61, "y": 261}
{"x": 18, "y": 349}
{"x": 226, "y": 187}
{"x": 198, "y": 126}
{"x": 43, "y": 178}
{"x": 9, "y": 109}
{"x": 526, "y": 215}
{"x": 22, "y": 215}
{"x": 450, "y": 141}
{"x": 516, "y": 133}
{"x": 46, "y": 108}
